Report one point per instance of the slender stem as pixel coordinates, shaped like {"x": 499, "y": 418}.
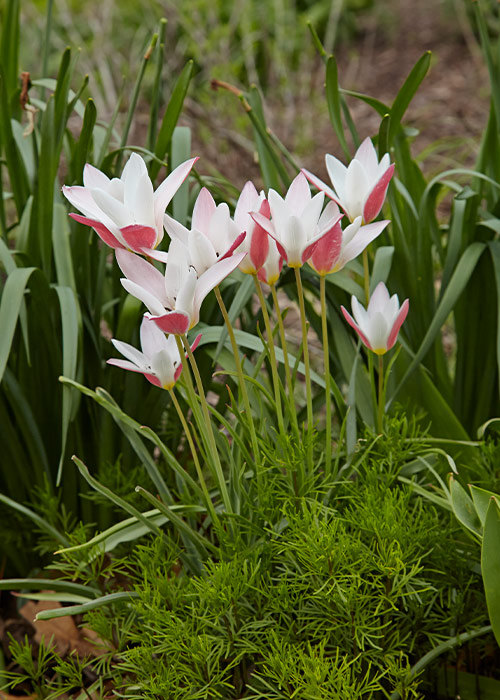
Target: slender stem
{"x": 373, "y": 386}
{"x": 288, "y": 373}
{"x": 381, "y": 393}
{"x": 326, "y": 363}
{"x": 187, "y": 431}
{"x": 241, "y": 378}
{"x": 305, "y": 348}
{"x": 366, "y": 271}
{"x": 274, "y": 364}
{"x": 208, "y": 424}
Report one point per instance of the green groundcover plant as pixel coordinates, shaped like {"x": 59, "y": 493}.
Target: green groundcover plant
{"x": 292, "y": 546}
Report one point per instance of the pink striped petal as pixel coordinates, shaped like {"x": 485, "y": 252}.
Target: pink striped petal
{"x": 320, "y": 185}
{"x": 101, "y": 230}
{"x": 259, "y": 243}
{"x": 175, "y": 322}
{"x": 138, "y": 236}
{"x": 375, "y": 199}
{"x": 237, "y": 242}
{"x": 354, "y": 325}
{"x": 403, "y": 312}
{"x": 327, "y": 251}
{"x": 142, "y": 273}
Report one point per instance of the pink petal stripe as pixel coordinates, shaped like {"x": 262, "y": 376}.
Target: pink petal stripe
{"x": 175, "y": 322}
{"x": 238, "y": 241}
{"x": 354, "y": 325}
{"x": 375, "y": 200}
{"x": 259, "y": 244}
{"x": 327, "y": 251}
{"x": 196, "y": 342}
{"x": 138, "y": 236}
{"x": 101, "y": 230}
{"x": 123, "y": 364}
{"x": 320, "y": 185}
{"x": 403, "y": 312}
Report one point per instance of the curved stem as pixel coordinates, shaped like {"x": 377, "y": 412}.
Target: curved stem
{"x": 288, "y": 373}
{"x": 437, "y": 651}
{"x": 274, "y": 364}
{"x": 241, "y": 378}
{"x": 189, "y": 436}
{"x": 305, "y": 348}
{"x": 326, "y": 363}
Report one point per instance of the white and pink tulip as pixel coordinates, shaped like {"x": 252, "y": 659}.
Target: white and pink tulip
{"x": 378, "y": 325}
{"x": 125, "y": 212}
{"x": 359, "y": 188}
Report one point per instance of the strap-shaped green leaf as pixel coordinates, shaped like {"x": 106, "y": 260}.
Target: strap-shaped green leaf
{"x": 490, "y": 565}
{"x": 10, "y": 307}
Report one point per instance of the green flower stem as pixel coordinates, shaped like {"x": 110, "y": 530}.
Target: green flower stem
{"x": 241, "y": 378}
{"x": 326, "y": 363}
{"x": 274, "y": 364}
{"x": 381, "y": 393}
{"x": 187, "y": 431}
{"x": 288, "y": 373}
{"x": 366, "y": 273}
{"x": 305, "y": 349}
{"x": 373, "y": 386}
{"x": 208, "y": 426}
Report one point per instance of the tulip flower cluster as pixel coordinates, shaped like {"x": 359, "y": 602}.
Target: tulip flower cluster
{"x": 266, "y": 232}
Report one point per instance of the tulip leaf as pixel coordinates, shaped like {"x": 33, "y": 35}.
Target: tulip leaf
{"x": 381, "y": 108}
{"x": 40, "y": 584}
{"x": 18, "y": 177}
{"x": 171, "y": 117}
{"x": 493, "y": 423}
{"x": 494, "y": 248}
{"x": 181, "y": 151}
{"x": 463, "y": 507}
{"x": 240, "y": 299}
{"x": 490, "y": 565}
{"x": 125, "y": 596}
{"x": 453, "y": 291}
{"x": 334, "y": 103}
{"x": 481, "y": 499}
{"x": 406, "y": 94}
{"x": 82, "y": 148}
{"x": 10, "y": 308}
{"x": 37, "y": 519}
{"x": 381, "y": 266}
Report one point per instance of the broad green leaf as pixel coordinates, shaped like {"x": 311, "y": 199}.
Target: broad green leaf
{"x": 481, "y": 499}
{"x": 10, "y": 307}
{"x": 463, "y": 507}
{"x": 171, "y": 117}
{"x": 9, "y": 43}
{"x": 334, "y": 103}
{"x": 181, "y": 151}
{"x": 381, "y": 266}
{"x": 490, "y": 565}
{"x": 61, "y": 236}
{"x": 405, "y": 95}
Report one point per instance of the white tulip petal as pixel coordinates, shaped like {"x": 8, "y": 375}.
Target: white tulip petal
{"x": 338, "y": 174}
{"x": 311, "y": 214}
{"x": 153, "y": 339}
{"x": 298, "y": 195}
{"x": 175, "y": 229}
{"x": 378, "y": 330}
{"x": 131, "y": 353}
{"x": 201, "y": 251}
{"x": 294, "y": 241}
{"x": 115, "y": 210}
{"x": 203, "y": 210}
{"x": 92, "y": 177}
{"x": 185, "y": 298}
{"x": 367, "y": 156}
{"x": 140, "y": 200}
{"x": 249, "y": 200}
{"x": 356, "y": 190}
{"x": 142, "y": 273}
{"x": 379, "y": 299}
{"x": 154, "y": 306}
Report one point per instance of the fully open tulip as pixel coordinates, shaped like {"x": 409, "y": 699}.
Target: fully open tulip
{"x": 378, "y": 325}
{"x": 173, "y": 299}
{"x": 159, "y": 360}
{"x": 360, "y": 188}
{"x": 125, "y": 212}
{"x": 297, "y": 224}
{"x": 339, "y": 247}
{"x": 213, "y": 235}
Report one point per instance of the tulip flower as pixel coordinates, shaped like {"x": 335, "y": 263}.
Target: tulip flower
{"x": 173, "y": 299}
{"x": 213, "y": 235}
{"x": 339, "y": 247}
{"x": 159, "y": 360}
{"x": 125, "y": 212}
{"x": 378, "y": 325}
{"x": 273, "y": 264}
{"x": 297, "y": 224}
{"x": 257, "y": 242}
{"x": 360, "y": 188}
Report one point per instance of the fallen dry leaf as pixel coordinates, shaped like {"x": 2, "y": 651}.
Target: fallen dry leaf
{"x": 65, "y": 635}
